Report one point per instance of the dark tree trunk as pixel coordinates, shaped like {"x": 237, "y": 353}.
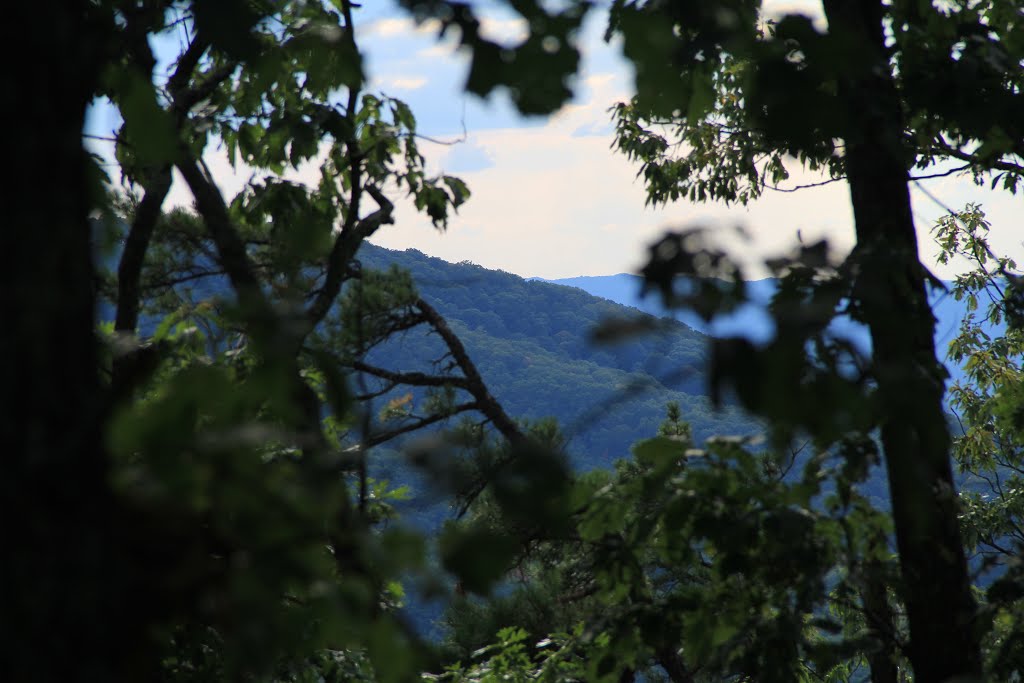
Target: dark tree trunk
{"x": 890, "y": 290}
{"x": 62, "y": 607}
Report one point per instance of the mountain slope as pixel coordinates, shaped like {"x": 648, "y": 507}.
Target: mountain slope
{"x": 752, "y": 321}
{"x": 530, "y": 341}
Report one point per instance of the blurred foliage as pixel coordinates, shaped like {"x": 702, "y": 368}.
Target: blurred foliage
{"x": 238, "y": 438}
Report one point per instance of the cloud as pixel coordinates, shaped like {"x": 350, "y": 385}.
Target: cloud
{"x": 401, "y": 82}
{"x": 504, "y": 31}
{"x": 397, "y": 27}
{"x": 441, "y": 50}
{"x": 594, "y": 128}
{"x": 466, "y": 157}
{"x": 599, "y": 81}
{"x": 554, "y": 205}
{"x": 776, "y": 9}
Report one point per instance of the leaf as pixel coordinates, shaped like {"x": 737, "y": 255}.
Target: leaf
{"x": 228, "y": 25}
{"x": 478, "y": 557}
{"x": 149, "y": 129}
{"x": 459, "y": 189}
{"x": 659, "y": 450}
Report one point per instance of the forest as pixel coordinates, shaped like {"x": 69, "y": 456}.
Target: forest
{"x": 246, "y": 444}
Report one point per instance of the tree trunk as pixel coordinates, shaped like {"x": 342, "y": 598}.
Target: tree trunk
{"x": 890, "y": 292}
{"x": 62, "y": 612}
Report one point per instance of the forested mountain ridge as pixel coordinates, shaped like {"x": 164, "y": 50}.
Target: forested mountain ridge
{"x": 752, "y": 320}
{"x": 532, "y": 342}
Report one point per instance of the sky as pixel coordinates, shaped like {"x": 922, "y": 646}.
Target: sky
{"x": 550, "y": 198}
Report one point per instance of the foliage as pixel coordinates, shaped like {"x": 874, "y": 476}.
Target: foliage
{"x": 247, "y": 538}
{"x": 699, "y": 564}
{"x": 987, "y": 404}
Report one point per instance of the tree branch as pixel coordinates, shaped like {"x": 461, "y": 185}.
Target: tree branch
{"x": 347, "y": 243}
{"x": 129, "y": 269}
{"x": 991, "y": 164}
{"x": 416, "y": 379}
{"x": 381, "y": 437}
{"x": 475, "y": 385}
{"x": 231, "y": 251}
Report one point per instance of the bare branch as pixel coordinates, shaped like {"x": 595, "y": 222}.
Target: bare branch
{"x": 416, "y": 379}
{"x": 474, "y": 382}
{"x": 129, "y": 275}
{"x": 804, "y": 186}
{"x": 381, "y": 437}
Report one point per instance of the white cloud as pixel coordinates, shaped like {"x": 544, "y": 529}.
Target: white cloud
{"x": 776, "y": 9}
{"x": 402, "y": 82}
{"x": 599, "y": 81}
{"x": 504, "y": 31}
{"x": 555, "y": 200}
{"x": 441, "y": 50}
{"x": 553, "y": 205}
{"x": 397, "y": 27}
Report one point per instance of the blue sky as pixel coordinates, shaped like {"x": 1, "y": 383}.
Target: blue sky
{"x": 550, "y": 198}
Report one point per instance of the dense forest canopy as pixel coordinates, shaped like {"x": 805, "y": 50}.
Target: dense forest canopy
{"x": 191, "y": 482}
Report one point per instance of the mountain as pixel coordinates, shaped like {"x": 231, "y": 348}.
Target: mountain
{"x": 752, "y": 321}
{"x": 532, "y": 343}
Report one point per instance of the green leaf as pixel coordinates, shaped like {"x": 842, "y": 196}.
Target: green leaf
{"x": 479, "y": 557}
{"x": 149, "y": 129}
{"x": 228, "y": 25}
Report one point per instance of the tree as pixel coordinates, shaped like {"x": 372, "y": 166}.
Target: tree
{"x": 703, "y": 564}
{"x": 883, "y": 99}
{"x": 888, "y": 289}
{"x": 56, "y": 463}
{"x": 194, "y": 479}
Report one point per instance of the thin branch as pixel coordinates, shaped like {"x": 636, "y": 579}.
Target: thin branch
{"x": 129, "y": 276}
{"x": 943, "y": 174}
{"x": 974, "y": 161}
{"x": 187, "y": 64}
{"x": 129, "y": 269}
{"x": 380, "y": 437}
{"x": 475, "y": 383}
{"x": 805, "y": 186}
{"x": 349, "y": 239}
{"x": 416, "y": 379}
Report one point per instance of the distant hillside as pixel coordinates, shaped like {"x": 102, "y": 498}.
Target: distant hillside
{"x": 530, "y": 341}
{"x": 752, "y": 321}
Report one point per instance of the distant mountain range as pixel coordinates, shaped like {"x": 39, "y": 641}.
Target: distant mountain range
{"x": 752, "y": 320}
{"x": 532, "y": 342}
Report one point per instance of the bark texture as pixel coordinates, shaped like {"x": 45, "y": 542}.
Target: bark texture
{"x": 890, "y": 290}
{"x": 66, "y": 612}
